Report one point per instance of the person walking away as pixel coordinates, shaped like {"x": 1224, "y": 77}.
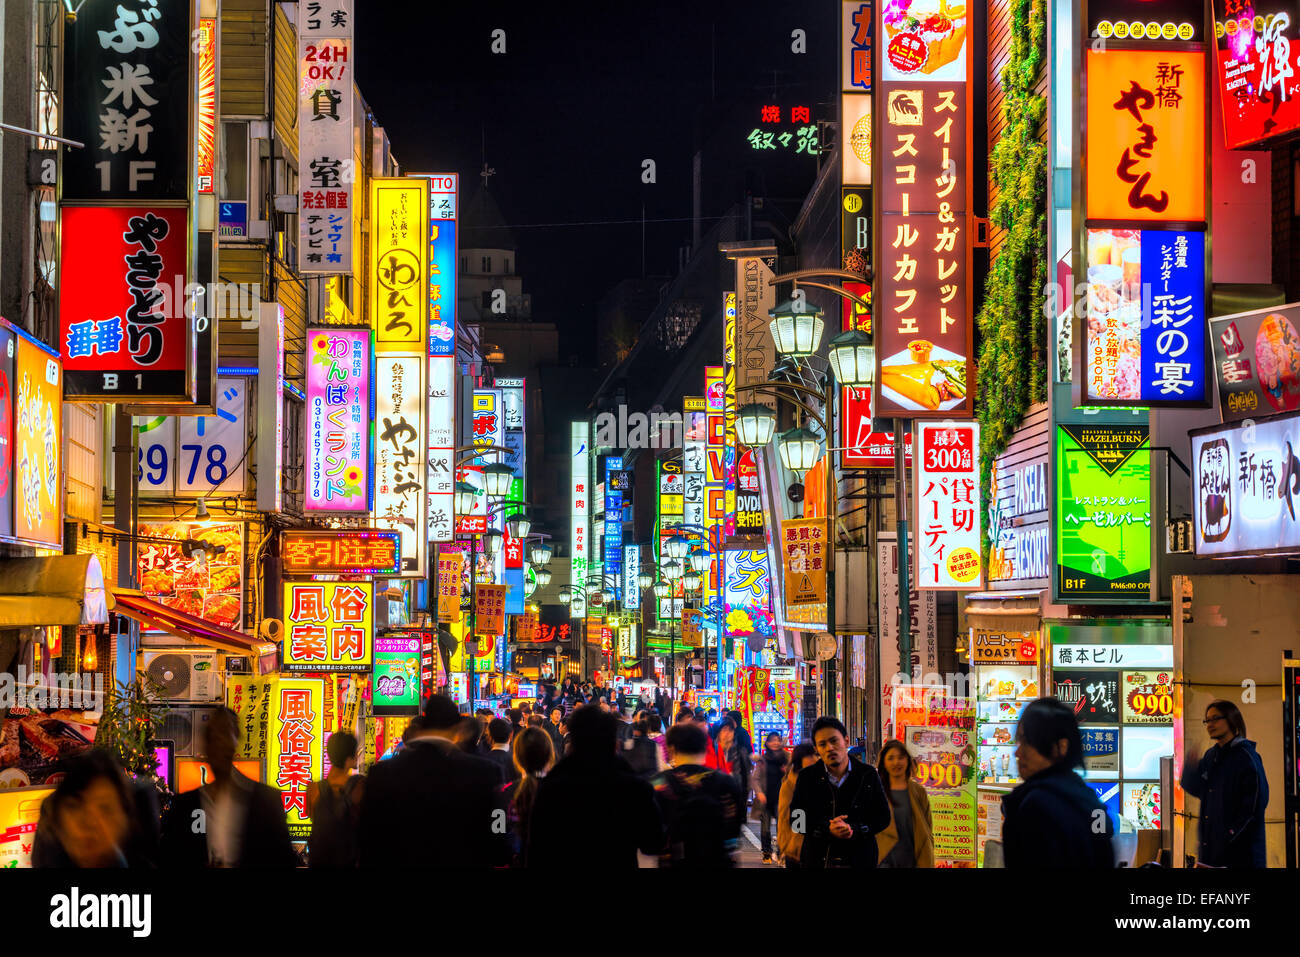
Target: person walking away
{"x": 434, "y": 806}
{"x": 533, "y": 756}
{"x": 591, "y": 805}
{"x": 334, "y": 806}
{"x": 909, "y": 839}
{"x": 89, "y": 820}
{"x": 842, "y": 801}
{"x": 719, "y": 754}
{"x": 742, "y": 756}
{"x": 640, "y": 751}
{"x": 447, "y": 645}
{"x": 701, "y": 806}
{"x": 1053, "y": 819}
{"x": 244, "y": 822}
{"x": 788, "y": 840}
{"x": 770, "y": 772}
{"x": 1230, "y": 783}
{"x": 501, "y": 734}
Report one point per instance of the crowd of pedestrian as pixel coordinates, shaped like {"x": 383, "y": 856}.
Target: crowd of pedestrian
{"x": 629, "y": 789}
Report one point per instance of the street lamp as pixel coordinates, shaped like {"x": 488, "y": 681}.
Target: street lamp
{"x": 492, "y": 542}
{"x": 497, "y": 479}
{"x": 541, "y": 554}
{"x": 645, "y": 580}
{"x": 796, "y": 328}
{"x": 853, "y": 359}
{"x": 663, "y": 590}
{"x": 755, "y": 424}
{"x": 466, "y": 495}
{"x": 542, "y": 576}
{"x": 693, "y": 581}
{"x": 677, "y": 546}
{"x": 699, "y": 560}
{"x": 519, "y": 525}
{"x": 799, "y": 449}
{"x": 565, "y": 595}
{"x": 673, "y": 571}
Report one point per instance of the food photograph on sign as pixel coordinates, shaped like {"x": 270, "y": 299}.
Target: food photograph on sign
{"x": 204, "y": 580}
{"x": 923, "y": 40}
{"x": 1257, "y": 362}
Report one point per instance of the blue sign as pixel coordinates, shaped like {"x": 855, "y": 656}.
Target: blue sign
{"x": 514, "y": 582}
{"x": 1173, "y": 316}
{"x": 1108, "y": 794}
{"x": 613, "y": 519}
{"x": 232, "y": 220}
{"x": 1099, "y": 742}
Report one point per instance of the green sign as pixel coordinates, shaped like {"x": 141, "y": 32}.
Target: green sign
{"x": 396, "y": 688}
{"x": 1103, "y": 513}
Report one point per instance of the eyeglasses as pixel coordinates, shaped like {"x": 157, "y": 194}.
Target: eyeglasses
{"x": 1217, "y": 717}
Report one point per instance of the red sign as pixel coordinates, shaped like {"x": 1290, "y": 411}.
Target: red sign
{"x": 1258, "y": 85}
{"x": 513, "y": 549}
{"x": 863, "y": 447}
{"x": 476, "y": 522}
{"x": 123, "y": 334}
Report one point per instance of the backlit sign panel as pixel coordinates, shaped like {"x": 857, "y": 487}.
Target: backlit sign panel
{"x": 400, "y": 500}
{"x": 948, "y": 526}
{"x": 399, "y": 264}
{"x": 338, "y": 431}
{"x": 359, "y": 551}
{"x": 326, "y": 197}
{"x": 1255, "y": 69}
{"x": 1257, "y": 362}
{"x": 328, "y": 626}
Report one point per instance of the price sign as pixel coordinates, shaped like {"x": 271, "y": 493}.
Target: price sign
{"x": 1148, "y": 697}
{"x": 940, "y": 774}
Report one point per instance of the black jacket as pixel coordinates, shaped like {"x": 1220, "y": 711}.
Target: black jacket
{"x": 861, "y": 797}
{"x": 596, "y": 810}
{"x": 1055, "y": 820}
{"x": 265, "y": 841}
{"x": 433, "y": 806}
{"x": 1233, "y": 792}
{"x": 503, "y": 760}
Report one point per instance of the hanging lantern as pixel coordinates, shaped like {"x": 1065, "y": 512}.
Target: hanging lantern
{"x": 799, "y": 449}
{"x": 796, "y": 328}
{"x": 755, "y": 424}
{"x": 853, "y": 359}
{"x": 497, "y": 479}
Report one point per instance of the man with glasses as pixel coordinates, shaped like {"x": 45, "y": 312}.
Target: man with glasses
{"x": 1229, "y": 781}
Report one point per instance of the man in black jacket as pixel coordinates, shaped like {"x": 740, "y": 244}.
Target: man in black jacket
{"x": 839, "y": 802}
{"x": 501, "y": 734}
{"x": 591, "y": 807}
{"x": 231, "y": 821}
{"x": 1233, "y": 791}
{"x": 433, "y": 805}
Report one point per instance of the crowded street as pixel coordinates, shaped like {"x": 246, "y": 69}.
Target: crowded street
{"x": 555, "y": 441}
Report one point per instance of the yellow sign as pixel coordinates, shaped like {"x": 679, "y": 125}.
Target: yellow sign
{"x": 329, "y": 626}
{"x": 692, "y": 635}
{"x": 483, "y": 658}
{"x": 399, "y": 264}
{"x": 450, "y": 571}
{"x": 250, "y": 698}
{"x": 489, "y": 609}
{"x": 803, "y": 547}
{"x": 295, "y": 739}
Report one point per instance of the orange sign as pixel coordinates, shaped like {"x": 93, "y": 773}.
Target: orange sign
{"x": 450, "y": 572}
{"x": 362, "y": 551}
{"x": 1146, "y": 135}
{"x": 192, "y": 773}
{"x": 1003, "y": 647}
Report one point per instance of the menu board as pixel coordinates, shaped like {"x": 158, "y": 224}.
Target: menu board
{"x": 210, "y": 587}
{"x": 945, "y": 766}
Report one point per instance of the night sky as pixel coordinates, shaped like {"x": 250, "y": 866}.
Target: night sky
{"x": 583, "y": 94}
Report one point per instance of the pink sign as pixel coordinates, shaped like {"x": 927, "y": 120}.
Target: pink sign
{"x": 338, "y": 420}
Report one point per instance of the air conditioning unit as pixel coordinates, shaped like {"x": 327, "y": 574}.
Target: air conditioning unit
{"x": 185, "y": 727}
{"x": 185, "y": 675}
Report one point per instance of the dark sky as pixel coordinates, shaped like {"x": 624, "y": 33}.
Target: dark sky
{"x": 583, "y": 94}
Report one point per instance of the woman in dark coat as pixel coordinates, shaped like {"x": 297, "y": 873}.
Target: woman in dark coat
{"x": 1053, "y": 819}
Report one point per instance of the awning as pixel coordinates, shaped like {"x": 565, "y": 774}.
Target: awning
{"x": 1005, "y": 611}
{"x": 158, "y": 616}
{"x": 54, "y": 590}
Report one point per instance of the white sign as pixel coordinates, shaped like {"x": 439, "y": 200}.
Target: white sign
{"x": 1112, "y": 656}
{"x": 442, "y": 448}
{"x": 1247, "y": 488}
{"x": 270, "y": 407}
{"x": 196, "y": 454}
{"x": 325, "y": 137}
{"x": 400, "y": 436}
{"x": 948, "y": 514}
{"x": 923, "y": 613}
{"x": 631, "y": 569}
{"x": 580, "y": 507}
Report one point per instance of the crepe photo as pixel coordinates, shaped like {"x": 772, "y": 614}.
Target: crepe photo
{"x": 924, "y": 377}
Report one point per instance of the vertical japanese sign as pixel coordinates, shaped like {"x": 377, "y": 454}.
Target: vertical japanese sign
{"x": 729, "y": 353}
{"x": 923, "y": 333}
{"x": 755, "y": 296}
{"x": 399, "y": 264}
{"x": 1143, "y": 336}
{"x": 612, "y": 543}
{"x": 443, "y": 203}
{"x": 715, "y": 467}
{"x": 400, "y": 496}
{"x": 579, "y": 508}
{"x": 38, "y": 444}
{"x": 205, "y": 119}
{"x": 489, "y": 609}
{"x": 338, "y": 427}
{"x": 948, "y": 526}
{"x": 124, "y": 335}
{"x": 631, "y": 569}
{"x": 296, "y": 758}
{"x": 803, "y": 547}
{"x": 1103, "y": 513}
{"x": 8, "y": 412}
{"x": 669, "y": 505}
{"x": 857, "y": 29}
{"x": 488, "y": 422}
{"x": 325, "y": 138}
{"x": 329, "y": 626}
{"x": 442, "y": 448}
{"x": 693, "y": 450}
{"x": 450, "y": 571}
{"x": 922, "y": 613}
{"x": 127, "y": 91}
